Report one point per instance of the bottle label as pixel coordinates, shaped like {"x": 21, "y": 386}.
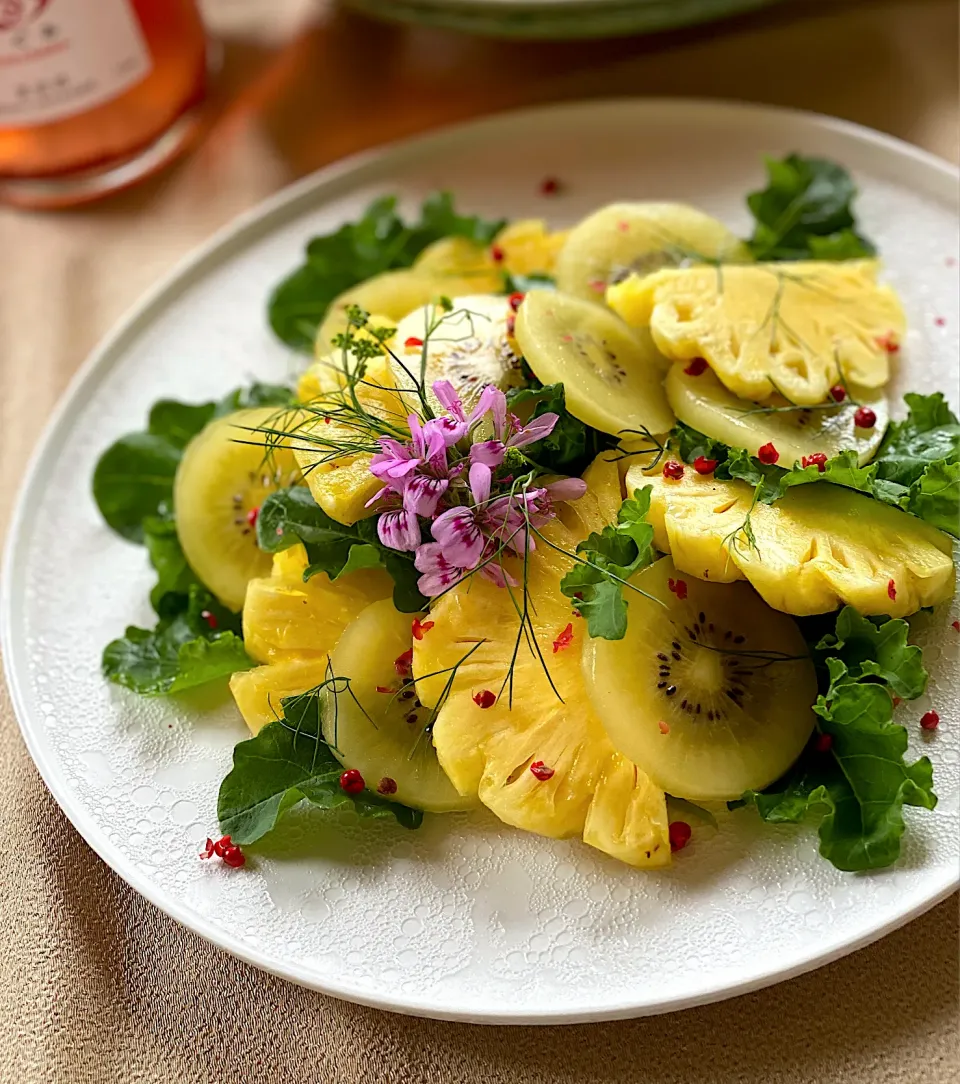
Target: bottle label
{"x": 63, "y": 57}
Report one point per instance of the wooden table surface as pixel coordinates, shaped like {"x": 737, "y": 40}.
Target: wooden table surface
{"x": 95, "y": 984}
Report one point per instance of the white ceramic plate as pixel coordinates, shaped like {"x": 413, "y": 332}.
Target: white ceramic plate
{"x": 465, "y": 919}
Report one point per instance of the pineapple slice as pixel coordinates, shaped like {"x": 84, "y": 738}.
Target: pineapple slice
{"x": 528, "y": 246}
{"x": 592, "y": 790}
{"x": 258, "y": 692}
{"x": 793, "y": 328}
{"x": 525, "y": 247}
{"x": 342, "y": 485}
{"x": 284, "y": 616}
{"x": 602, "y": 500}
{"x": 818, "y": 548}
{"x": 291, "y": 626}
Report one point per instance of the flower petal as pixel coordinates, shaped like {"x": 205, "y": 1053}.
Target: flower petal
{"x": 380, "y": 493}
{"x": 566, "y": 489}
{"x": 451, "y": 430}
{"x": 447, "y": 396}
{"x": 497, "y": 574}
{"x": 422, "y": 494}
{"x": 438, "y": 573}
{"x": 488, "y": 452}
{"x": 480, "y": 477}
{"x": 459, "y": 534}
{"x": 494, "y": 401}
{"x": 534, "y": 430}
{"x": 399, "y": 530}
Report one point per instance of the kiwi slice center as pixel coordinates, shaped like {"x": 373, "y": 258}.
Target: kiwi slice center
{"x": 703, "y": 674}
{"x": 600, "y": 357}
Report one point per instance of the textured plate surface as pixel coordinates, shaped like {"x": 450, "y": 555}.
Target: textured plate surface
{"x": 466, "y": 918}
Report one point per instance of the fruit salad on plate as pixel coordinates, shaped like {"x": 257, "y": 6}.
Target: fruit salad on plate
{"x": 609, "y": 529}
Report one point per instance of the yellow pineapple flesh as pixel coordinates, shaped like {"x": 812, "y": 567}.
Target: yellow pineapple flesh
{"x": 522, "y": 248}
{"x": 291, "y": 626}
{"x": 819, "y": 547}
{"x": 792, "y": 328}
{"x": 342, "y": 483}
{"x": 592, "y": 792}
{"x": 258, "y": 692}
{"x": 283, "y": 615}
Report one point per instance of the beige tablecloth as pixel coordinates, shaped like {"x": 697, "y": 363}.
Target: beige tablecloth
{"x": 98, "y": 986}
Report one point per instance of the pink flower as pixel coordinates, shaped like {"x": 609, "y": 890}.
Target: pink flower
{"x": 400, "y": 530}
{"x": 438, "y": 573}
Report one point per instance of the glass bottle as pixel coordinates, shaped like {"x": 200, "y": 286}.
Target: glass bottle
{"x": 94, "y": 94}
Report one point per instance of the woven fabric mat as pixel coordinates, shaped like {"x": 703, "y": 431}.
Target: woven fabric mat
{"x": 96, "y": 985}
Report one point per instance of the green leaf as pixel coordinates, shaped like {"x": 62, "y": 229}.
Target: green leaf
{"x": 930, "y": 433}
{"x": 805, "y": 212}
{"x": 764, "y": 477}
{"x": 690, "y": 444}
{"x": 255, "y": 395}
{"x": 133, "y": 479}
{"x": 406, "y": 595}
{"x": 843, "y": 470}
{"x": 935, "y": 497}
{"x": 934, "y": 492}
{"x": 288, "y": 761}
{"x": 614, "y": 555}
{"x": 378, "y": 241}
{"x": 361, "y": 557}
{"x": 860, "y": 785}
{"x": 175, "y": 577}
{"x": 538, "y": 280}
{"x": 605, "y": 610}
{"x": 184, "y": 650}
{"x": 439, "y": 218}
{"x": 291, "y": 515}
{"x": 202, "y": 660}
{"x": 863, "y": 827}
{"x": 179, "y": 422}
{"x": 877, "y": 649}
{"x": 842, "y": 245}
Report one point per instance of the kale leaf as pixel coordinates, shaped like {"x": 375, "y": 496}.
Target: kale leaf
{"x": 289, "y": 761}
{"x": 860, "y": 784}
{"x": 805, "y": 212}
{"x": 378, "y": 241}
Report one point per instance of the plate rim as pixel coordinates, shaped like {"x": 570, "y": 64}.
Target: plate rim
{"x": 241, "y": 230}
